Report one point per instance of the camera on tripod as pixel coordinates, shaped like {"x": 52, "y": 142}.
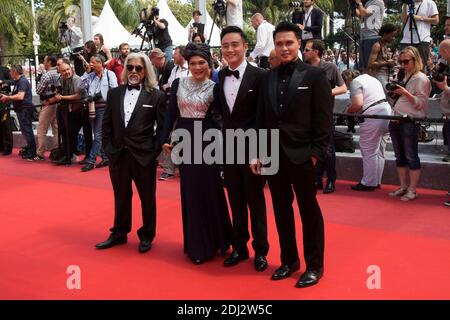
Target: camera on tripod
{"x": 440, "y": 71}
{"x": 63, "y": 26}
{"x": 220, "y": 7}
{"x": 393, "y": 85}
{"x": 299, "y": 6}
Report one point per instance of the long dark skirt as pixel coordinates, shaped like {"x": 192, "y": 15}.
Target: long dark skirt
{"x": 206, "y": 221}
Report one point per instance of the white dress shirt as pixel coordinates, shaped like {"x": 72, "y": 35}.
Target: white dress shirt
{"x": 129, "y": 103}
{"x": 231, "y": 85}
{"x": 178, "y": 72}
{"x": 306, "y": 35}
{"x": 264, "y": 40}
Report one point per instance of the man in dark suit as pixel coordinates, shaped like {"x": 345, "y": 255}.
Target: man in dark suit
{"x": 309, "y": 21}
{"x": 6, "y": 136}
{"x": 295, "y": 99}
{"x": 132, "y": 145}
{"x": 237, "y": 94}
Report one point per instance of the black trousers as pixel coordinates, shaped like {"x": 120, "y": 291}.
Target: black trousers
{"x": 245, "y": 190}
{"x": 6, "y": 136}
{"x": 80, "y": 119}
{"x": 122, "y": 172}
{"x": 299, "y": 179}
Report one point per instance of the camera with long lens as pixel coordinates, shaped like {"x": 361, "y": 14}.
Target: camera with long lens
{"x": 299, "y": 10}
{"x": 408, "y": 2}
{"x": 5, "y": 89}
{"x": 52, "y": 90}
{"x": 220, "y": 7}
{"x": 63, "y": 26}
{"x": 393, "y": 85}
{"x": 95, "y": 98}
{"x": 440, "y": 71}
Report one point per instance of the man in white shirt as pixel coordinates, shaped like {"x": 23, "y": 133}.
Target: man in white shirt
{"x": 264, "y": 40}
{"x": 180, "y": 70}
{"x": 424, "y": 14}
{"x": 234, "y": 13}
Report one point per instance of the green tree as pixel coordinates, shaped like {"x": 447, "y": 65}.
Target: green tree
{"x": 15, "y": 22}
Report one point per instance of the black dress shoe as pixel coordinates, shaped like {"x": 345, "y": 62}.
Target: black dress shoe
{"x": 63, "y": 162}
{"x": 83, "y": 162}
{"x": 88, "y": 167}
{"x": 103, "y": 163}
{"x": 361, "y": 187}
{"x": 318, "y": 185}
{"x": 260, "y": 263}
{"x": 309, "y": 278}
{"x": 198, "y": 261}
{"x": 144, "y": 246}
{"x": 235, "y": 257}
{"x": 112, "y": 241}
{"x": 285, "y": 270}
{"x": 329, "y": 188}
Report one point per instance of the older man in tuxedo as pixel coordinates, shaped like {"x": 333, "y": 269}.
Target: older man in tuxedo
{"x": 131, "y": 143}
{"x": 236, "y": 95}
{"x": 295, "y": 99}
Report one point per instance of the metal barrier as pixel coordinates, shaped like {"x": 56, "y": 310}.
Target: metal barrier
{"x": 395, "y": 118}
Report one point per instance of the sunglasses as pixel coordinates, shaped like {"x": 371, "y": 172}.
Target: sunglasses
{"x": 406, "y": 61}
{"x": 138, "y": 68}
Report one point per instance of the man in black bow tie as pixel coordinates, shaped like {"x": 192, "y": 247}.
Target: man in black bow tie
{"x": 132, "y": 145}
{"x": 295, "y": 99}
{"x": 236, "y": 98}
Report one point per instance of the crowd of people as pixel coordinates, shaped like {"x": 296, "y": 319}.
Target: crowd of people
{"x": 131, "y": 108}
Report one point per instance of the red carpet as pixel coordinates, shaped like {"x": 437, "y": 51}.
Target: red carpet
{"x": 52, "y": 217}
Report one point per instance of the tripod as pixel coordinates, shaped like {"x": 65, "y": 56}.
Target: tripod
{"x": 217, "y": 19}
{"x": 412, "y": 25}
{"x": 148, "y": 34}
{"x": 354, "y": 23}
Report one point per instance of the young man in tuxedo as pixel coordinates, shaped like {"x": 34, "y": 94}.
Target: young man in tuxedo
{"x": 295, "y": 99}
{"x": 236, "y": 96}
{"x": 132, "y": 145}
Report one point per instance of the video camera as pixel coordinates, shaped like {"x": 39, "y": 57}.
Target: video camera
{"x": 440, "y": 71}
{"x": 408, "y": 2}
{"x": 392, "y": 85}
{"x": 220, "y": 7}
{"x": 63, "y": 26}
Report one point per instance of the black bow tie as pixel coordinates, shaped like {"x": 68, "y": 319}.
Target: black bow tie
{"x": 135, "y": 87}
{"x": 235, "y": 73}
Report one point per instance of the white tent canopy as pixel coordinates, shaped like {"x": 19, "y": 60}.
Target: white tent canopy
{"x": 178, "y": 34}
{"x": 215, "y": 36}
{"x": 112, "y": 30}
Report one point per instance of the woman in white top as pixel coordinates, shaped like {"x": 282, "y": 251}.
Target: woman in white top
{"x": 368, "y": 98}
{"x": 412, "y": 102}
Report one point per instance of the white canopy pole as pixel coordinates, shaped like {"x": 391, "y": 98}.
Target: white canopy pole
{"x": 86, "y": 19}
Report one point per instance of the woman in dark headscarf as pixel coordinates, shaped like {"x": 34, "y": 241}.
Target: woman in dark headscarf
{"x": 206, "y": 222}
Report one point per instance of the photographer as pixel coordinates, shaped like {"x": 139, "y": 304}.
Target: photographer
{"x": 196, "y": 27}
{"x": 234, "y": 13}
{"x": 413, "y": 103}
{"x": 444, "y": 100}
{"x": 68, "y": 112}
{"x": 71, "y": 35}
{"x": 23, "y": 106}
{"x": 98, "y": 83}
{"x": 46, "y": 89}
{"x": 380, "y": 60}
{"x": 425, "y": 14}
{"x": 368, "y": 97}
{"x": 371, "y": 15}
{"x": 310, "y": 22}
{"x": 161, "y": 35}
{"x": 264, "y": 41}
{"x": 6, "y": 136}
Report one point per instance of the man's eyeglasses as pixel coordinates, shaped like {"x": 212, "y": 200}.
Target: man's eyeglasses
{"x": 406, "y": 61}
{"x": 131, "y": 68}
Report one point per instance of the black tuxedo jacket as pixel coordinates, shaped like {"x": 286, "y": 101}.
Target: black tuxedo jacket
{"x": 305, "y": 123}
{"x": 244, "y": 110}
{"x": 139, "y": 137}
{"x": 316, "y": 23}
